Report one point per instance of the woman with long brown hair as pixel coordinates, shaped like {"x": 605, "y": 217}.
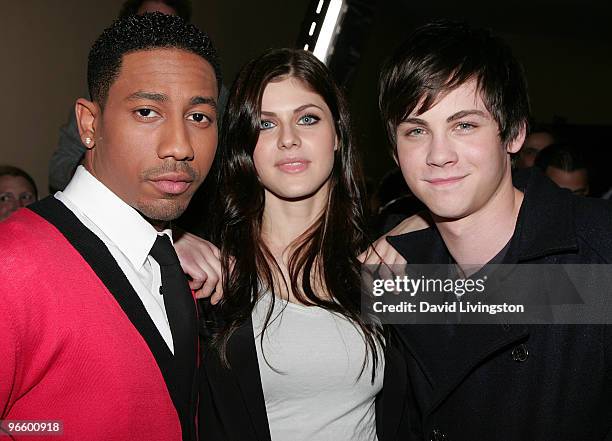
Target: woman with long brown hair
{"x": 289, "y": 355}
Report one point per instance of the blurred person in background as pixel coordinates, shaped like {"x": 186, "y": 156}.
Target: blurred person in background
{"x": 537, "y": 140}
{"x": 17, "y": 189}
{"x": 182, "y": 8}
{"x": 566, "y": 166}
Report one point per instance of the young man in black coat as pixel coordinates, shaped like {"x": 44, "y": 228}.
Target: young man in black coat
{"x": 455, "y": 104}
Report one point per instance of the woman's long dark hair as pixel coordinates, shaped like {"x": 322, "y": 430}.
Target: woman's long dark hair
{"x": 327, "y": 251}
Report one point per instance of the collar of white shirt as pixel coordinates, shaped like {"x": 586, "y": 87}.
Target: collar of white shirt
{"x": 121, "y": 223}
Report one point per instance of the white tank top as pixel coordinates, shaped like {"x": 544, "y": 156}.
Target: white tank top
{"x": 311, "y": 374}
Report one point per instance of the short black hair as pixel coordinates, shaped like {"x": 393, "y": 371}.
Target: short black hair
{"x": 182, "y": 7}
{"x": 140, "y": 33}
{"x": 10, "y": 170}
{"x": 563, "y": 156}
{"x": 441, "y": 56}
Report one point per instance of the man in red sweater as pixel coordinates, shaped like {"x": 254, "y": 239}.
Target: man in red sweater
{"x": 92, "y": 336}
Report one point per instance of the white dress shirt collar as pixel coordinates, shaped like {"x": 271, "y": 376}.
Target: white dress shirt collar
{"x": 122, "y": 224}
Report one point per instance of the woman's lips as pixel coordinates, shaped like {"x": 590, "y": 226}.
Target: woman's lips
{"x": 293, "y": 165}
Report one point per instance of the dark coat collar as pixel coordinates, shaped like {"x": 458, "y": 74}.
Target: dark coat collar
{"x": 545, "y": 226}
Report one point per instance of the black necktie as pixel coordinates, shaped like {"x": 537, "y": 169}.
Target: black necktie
{"x": 181, "y": 312}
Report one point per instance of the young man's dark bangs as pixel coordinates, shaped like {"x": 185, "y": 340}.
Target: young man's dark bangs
{"x": 421, "y": 90}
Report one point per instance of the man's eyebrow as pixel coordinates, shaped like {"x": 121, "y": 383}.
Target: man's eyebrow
{"x": 160, "y": 97}
{"x": 153, "y": 96}
{"x": 297, "y": 110}
{"x": 464, "y": 113}
{"x": 203, "y": 100}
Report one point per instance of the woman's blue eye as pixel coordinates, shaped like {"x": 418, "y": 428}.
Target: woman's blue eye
{"x": 308, "y": 120}
{"x": 265, "y": 124}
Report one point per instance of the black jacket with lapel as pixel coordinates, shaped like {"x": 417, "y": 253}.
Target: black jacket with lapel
{"x": 231, "y": 400}
{"x": 232, "y": 406}
{"x": 518, "y": 382}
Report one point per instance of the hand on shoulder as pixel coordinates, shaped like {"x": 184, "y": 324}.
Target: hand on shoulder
{"x": 382, "y": 252}
{"x": 201, "y": 261}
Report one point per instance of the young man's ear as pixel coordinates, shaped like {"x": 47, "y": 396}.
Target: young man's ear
{"x": 515, "y": 145}
{"x": 87, "y": 113}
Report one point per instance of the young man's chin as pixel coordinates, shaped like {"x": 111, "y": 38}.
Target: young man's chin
{"x": 163, "y": 210}
{"x": 446, "y": 214}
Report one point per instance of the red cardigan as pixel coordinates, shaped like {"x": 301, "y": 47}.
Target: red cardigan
{"x": 68, "y": 351}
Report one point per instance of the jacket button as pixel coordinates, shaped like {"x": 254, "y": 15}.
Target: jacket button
{"x": 437, "y": 435}
{"x": 520, "y": 353}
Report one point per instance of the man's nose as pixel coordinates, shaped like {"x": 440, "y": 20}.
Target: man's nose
{"x": 441, "y": 152}
{"x": 9, "y": 203}
{"x": 176, "y": 142}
